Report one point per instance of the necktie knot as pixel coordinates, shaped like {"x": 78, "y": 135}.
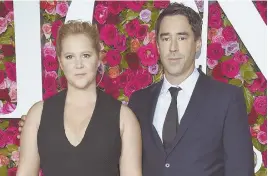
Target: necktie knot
{"x": 174, "y": 92}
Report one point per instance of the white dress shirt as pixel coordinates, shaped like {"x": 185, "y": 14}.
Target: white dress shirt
{"x": 164, "y": 100}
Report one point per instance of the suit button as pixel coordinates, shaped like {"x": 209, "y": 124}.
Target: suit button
{"x": 167, "y": 165}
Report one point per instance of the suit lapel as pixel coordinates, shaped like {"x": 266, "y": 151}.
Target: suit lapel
{"x": 195, "y": 105}
{"x": 154, "y": 92}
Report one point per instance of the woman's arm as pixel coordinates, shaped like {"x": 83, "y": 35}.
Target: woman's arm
{"x": 131, "y": 154}
{"x": 29, "y": 157}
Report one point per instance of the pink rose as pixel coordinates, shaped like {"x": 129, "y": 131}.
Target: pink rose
{"x": 51, "y": 73}
{"x": 125, "y": 77}
{"x": 212, "y": 63}
{"x": 3, "y": 140}
{"x": 4, "y": 161}
{"x": 259, "y": 84}
{"x": 144, "y": 77}
{"x": 214, "y": 20}
{"x": 108, "y": 34}
{"x": 11, "y": 70}
{"x": 49, "y": 49}
{"x": 13, "y": 92}
{"x": 113, "y": 57}
{"x": 46, "y": 28}
{"x": 260, "y": 105}
{"x": 12, "y": 133}
{"x": 120, "y": 43}
{"x": 264, "y": 158}
{"x": 49, "y": 94}
{"x": 161, "y": 4}
{"x": 231, "y": 47}
{"x": 50, "y": 83}
{"x": 262, "y": 137}
{"x": 51, "y": 63}
{"x": 131, "y": 87}
{"x": 142, "y": 32}
{"x": 135, "y": 5}
{"x": 15, "y": 156}
{"x": 263, "y": 126}
{"x": 3, "y": 25}
{"x": 150, "y": 38}
{"x": 8, "y": 5}
{"x": 10, "y": 16}
{"x": 240, "y": 57}
{"x": 229, "y": 33}
{"x": 50, "y": 7}
{"x": 5, "y": 84}
{"x": 62, "y": 8}
{"x": 132, "y": 27}
{"x": 8, "y": 108}
{"x": 12, "y": 171}
{"x": 219, "y": 39}
{"x": 2, "y": 76}
{"x": 230, "y": 68}
{"x": 115, "y": 7}
{"x": 55, "y": 27}
{"x": 148, "y": 54}
{"x": 101, "y": 13}
{"x": 215, "y": 51}
{"x": 153, "y": 69}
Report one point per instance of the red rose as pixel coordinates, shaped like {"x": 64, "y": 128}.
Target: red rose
{"x": 12, "y": 133}
{"x": 48, "y": 94}
{"x": 263, "y": 127}
{"x": 2, "y": 76}
{"x": 113, "y": 19}
{"x": 120, "y": 43}
{"x": 132, "y": 61}
{"x": 8, "y": 50}
{"x": 229, "y": 34}
{"x": 4, "y": 95}
{"x": 230, "y": 68}
{"x": 252, "y": 117}
{"x": 131, "y": 87}
{"x": 135, "y": 5}
{"x": 132, "y": 27}
{"x": 111, "y": 86}
{"x": 124, "y": 78}
{"x": 11, "y": 70}
{"x": 144, "y": 77}
{"x": 51, "y": 63}
{"x": 3, "y": 10}
{"x": 9, "y": 5}
{"x": 50, "y": 84}
{"x": 3, "y": 138}
{"x": 63, "y": 82}
{"x": 55, "y": 27}
{"x": 142, "y": 32}
{"x": 101, "y": 13}
{"x": 115, "y": 7}
{"x": 214, "y": 20}
{"x": 215, "y": 51}
{"x": 50, "y": 6}
{"x": 43, "y": 5}
{"x": 108, "y": 34}
{"x": 113, "y": 57}
{"x": 259, "y": 84}
{"x": 260, "y": 105}
{"x": 217, "y": 74}
{"x": 264, "y": 158}
{"x": 240, "y": 57}
{"x": 12, "y": 171}
{"x": 161, "y": 4}
{"x": 148, "y": 54}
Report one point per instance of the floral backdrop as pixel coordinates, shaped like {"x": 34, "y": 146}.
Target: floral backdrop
{"x": 131, "y": 62}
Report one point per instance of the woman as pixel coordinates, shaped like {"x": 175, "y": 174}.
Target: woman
{"x": 81, "y": 130}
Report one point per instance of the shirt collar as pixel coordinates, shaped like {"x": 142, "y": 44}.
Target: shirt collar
{"x": 187, "y": 85}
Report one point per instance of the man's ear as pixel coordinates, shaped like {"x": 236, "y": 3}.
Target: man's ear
{"x": 198, "y": 44}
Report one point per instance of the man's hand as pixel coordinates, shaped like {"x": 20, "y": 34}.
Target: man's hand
{"x": 21, "y": 124}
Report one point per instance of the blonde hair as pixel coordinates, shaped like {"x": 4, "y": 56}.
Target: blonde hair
{"x": 78, "y": 27}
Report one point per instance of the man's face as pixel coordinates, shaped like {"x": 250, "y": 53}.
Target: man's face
{"x": 177, "y": 45}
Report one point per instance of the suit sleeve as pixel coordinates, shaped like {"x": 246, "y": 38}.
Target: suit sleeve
{"x": 238, "y": 148}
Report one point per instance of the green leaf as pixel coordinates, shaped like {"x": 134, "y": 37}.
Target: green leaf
{"x": 260, "y": 119}
{"x": 8, "y": 59}
{"x": 258, "y": 145}
{"x": 106, "y": 48}
{"x": 4, "y": 124}
{"x": 226, "y": 22}
{"x": 242, "y": 47}
{"x": 123, "y": 63}
{"x": 121, "y": 29}
{"x": 236, "y": 82}
{"x": 225, "y": 58}
{"x": 261, "y": 172}
{"x": 5, "y": 40}
{"x": 247, "y": 72}
{"x": 122, "y": 98}
{"x": 248, "y": 98}
{"x": 246, "y": 67}
{"x": 2, "y": 67}
{"x": 4, "y": 151}
{"x": 8, "y": 33}
{"x": 3, "y": 170}
{"x": 131, "y": 15}
{"x": 157, "y": 77}
{"x": 154, "y": 16}
{"x": 12, "y": 147}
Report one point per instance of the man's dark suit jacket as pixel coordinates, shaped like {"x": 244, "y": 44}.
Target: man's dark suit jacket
{"x": 213, "y": 137}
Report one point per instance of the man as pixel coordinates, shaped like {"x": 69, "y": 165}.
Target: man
{"x": 199, "y": 126}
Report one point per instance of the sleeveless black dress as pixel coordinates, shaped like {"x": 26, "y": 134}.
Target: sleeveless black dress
{"x": 99, "y": 151}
